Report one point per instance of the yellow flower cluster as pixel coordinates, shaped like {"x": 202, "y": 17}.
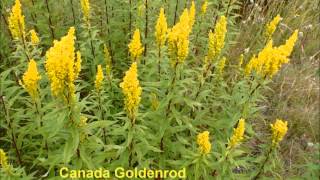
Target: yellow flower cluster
{"x": 85, "y": 6}
{"x": 204, "y": 142}
{"x": 30, "y": 79}
{"x": 99, "y": 78}
{"x": 178, "y": 39}
{"x": 216, "y": 38}
{"x": 161, "y": 29}
{"x": 135, "y": 46}
{"x": 132, "y": 91}
{"x": 192, "y": 15}
{"x": 204, "y": 7}
{"x": 107, "y": 59}
{"x": 34, "y": 37}
{"x": 221, "y": 65}
{"x": 16, "y": 21}
{"x": 279, "y": 130}
{"x": 237, "y": 135}
{"x": 3, "y": 159}
{"x": 270, "y": 59}
{"x": 271, "y": 27}
{"x": 62, "y": 66}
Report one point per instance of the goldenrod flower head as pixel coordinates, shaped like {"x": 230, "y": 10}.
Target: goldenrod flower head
{"x": 61, "y": 67}
{"x": 287, "y": 48}
{"x": 271, "y": 27}
{"x": 204, "y": 142}
{"x": 237, "y": 135}
{"x": 85, "y": 6}
{"x": 279, "y": 130}
{"x": 16, "y": 21}
{"x": 34, "y": 37}
{"x": 192, "y": 14}
{"x": 99, "y": 78}
{"x": 30, "y": 79}
{"x": 270, "y": 59}
{"x": 204, "y": 7}
{"x": 216, "y": 38}
{"x": 132, "y": 91}
{"x": 3, "y": 159}
{"x": 221, "y": 64}
{"x": 178, "y": 39}
{"x": 161, "y": 29}
{"x": 135, "y": 46}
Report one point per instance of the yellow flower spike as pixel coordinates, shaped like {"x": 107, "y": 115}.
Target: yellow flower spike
{"x": 192, "y": 14}
{"x": 99, "y": 78}
{"x": 85, "y": 6}
{"x": 34, "y": 37}
{"x": 279, "y": 130}
{"x": 161, "y": 29}
{"x": 271, "y": 27}
{"x": 221, "y": 65}
{"x": 135, "y": 46}
{"x": 16, "y": 21}
{"x": 61, "y": 67}
{"x": 204, "y": 142}
{"x": 237, "y": 135}
{"x": 216, "y": 38}
{"x": 132, "y": 91}
{"x": 178, "y": 39}
{"x": 270, "y": 59}
{"x": 204, "y": 7}
{"x": 4, "y": 160}
{"x": 287, "y": 48}
{"x": 30, "y": 79}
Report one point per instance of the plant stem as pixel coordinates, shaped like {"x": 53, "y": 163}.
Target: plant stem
{"x": 146, "y": 30}
{"x": 50, "y": 21}
{"x": 14, "y": 143}
{"x": 159, "y": 63}
{"x": 73, "y": 14}
{"x": 102, "y": 116}
{"x": 175, "y": 12}
{"x": 263, "y": 164}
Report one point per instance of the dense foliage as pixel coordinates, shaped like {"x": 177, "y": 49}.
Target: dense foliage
{"x": 145, "y": 84}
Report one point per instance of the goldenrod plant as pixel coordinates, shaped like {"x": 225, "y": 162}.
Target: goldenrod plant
{"x": 97, "y": 89}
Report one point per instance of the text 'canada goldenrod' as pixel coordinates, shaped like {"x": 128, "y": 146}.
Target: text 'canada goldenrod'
{"x": 216, "y": 38}
{"x": 237, "y": 135}
{"x": 161, "y": 29}
{"x": 204, "y": 142}
{"x": 99, "y": 78}
{"x": 135, "y": 46}
{"x": 279, "y": 130}
{"x": 132, "y": 91}
{"x": 30, "y": 79}
{"x": 270, "y": 59}
{"x": 34, "y": 37}
{"x": 16, "y": 21}
{"x": 62, "y": 66}
{"x": 272, "y": 26}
